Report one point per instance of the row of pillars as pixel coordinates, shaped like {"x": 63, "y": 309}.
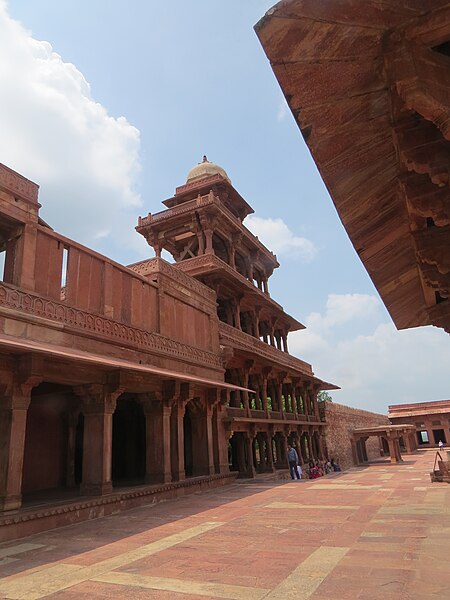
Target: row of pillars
{"x": 250, "y": 322}
{"x": 264, "y": 452}
{"x": 393, "y": 446}
{"x": 285, "y": 397}
{"x": 165, "y": 443}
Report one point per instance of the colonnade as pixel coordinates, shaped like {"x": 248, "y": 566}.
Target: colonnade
{"x": 264, "y": 451}
{"x": 182, "y": 435}
{"x": 295, "y": 399}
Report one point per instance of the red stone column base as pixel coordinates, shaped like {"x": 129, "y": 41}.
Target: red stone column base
{"x": 96, "y": 489}
{"x": 10, "y": 502}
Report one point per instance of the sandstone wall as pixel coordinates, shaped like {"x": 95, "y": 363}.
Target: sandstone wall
{"x": 341, "y": 421}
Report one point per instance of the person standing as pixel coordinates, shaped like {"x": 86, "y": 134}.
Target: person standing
{"x": 293, "y": 462}
{"x": 441, "y": 445}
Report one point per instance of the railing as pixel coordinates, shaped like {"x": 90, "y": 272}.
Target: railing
{"x": 258, "y": 414}
{"x": 271, "y": 415}
{"x": 239, "y": 339}
{"x": 234, "y": 411}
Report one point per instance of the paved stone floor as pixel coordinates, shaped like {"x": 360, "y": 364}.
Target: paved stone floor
{"x": 380, "y": 532}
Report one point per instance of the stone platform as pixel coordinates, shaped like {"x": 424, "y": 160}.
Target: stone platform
{"x": 373, "y": 532}
{"x": 44, "y": 514}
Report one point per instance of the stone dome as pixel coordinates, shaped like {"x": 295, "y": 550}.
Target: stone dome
{"x": 206, "y": 169}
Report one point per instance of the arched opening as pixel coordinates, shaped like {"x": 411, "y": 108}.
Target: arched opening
{"x": 128, "y": 443}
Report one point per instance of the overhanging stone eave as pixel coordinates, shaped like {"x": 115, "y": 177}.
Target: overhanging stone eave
{"x": 407, "y": 305}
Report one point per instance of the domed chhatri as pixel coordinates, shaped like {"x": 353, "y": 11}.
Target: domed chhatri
{"x": 206, "y": 169}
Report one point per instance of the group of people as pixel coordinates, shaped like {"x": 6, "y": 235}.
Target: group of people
{"x": 314, "y": 470}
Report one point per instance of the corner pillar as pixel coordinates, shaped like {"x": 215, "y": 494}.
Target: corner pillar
{"x": 14, "y": 405}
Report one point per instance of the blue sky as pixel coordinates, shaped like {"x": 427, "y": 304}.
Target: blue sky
{"x": 107, "y": 105}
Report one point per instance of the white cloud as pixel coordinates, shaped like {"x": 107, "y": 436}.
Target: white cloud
{"x": 283, "y": 110}
{"x": 374, "y": 370}
{"x": 276, "y": 235}
{"x": 342, "y": 308}
{"x": 55, "y": 133}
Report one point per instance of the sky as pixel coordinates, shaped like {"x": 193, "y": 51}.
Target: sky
{"x": 108, "y": 105}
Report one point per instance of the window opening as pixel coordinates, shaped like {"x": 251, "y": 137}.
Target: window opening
{"x": 65, "y": 259}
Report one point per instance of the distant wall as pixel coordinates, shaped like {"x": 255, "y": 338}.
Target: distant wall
{"x": 341, "y": 421}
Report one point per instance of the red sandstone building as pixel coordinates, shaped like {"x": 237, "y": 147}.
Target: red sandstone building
{"x": 430, "y": 419}
{"x": 120, "y": 382}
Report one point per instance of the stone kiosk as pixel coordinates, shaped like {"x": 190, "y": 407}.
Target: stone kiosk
{"x": 390, "y": 437}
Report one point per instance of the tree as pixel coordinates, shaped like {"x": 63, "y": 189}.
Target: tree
{"x": 324, "y": 396}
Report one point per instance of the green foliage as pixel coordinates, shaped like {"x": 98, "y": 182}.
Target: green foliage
{"x": 324, "y": 397}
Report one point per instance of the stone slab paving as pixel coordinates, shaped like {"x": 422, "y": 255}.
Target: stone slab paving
{"x": 371, "y": 533}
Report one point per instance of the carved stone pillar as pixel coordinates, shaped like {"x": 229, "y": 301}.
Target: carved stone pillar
{"x": 314, "y": 392}
{"x": 222, "y": 437}
{"x": 269, "y": 445}
{"x": 14, "y": 403}
{"x": 398, "y": 453}
{"x": 248, "y": 444}
{"x": 98, "y": 405}
{"x": 245, "y": 398}
{"x": 201, "y": 243}
{"x": 232, "y": 253}
{"x": 209, "y": 245}
{"x": 279, "y": 392}
{"x": 393, "y": 452}
{"x": 237, "y": 314}
{"x": 264, "y": 396}
{"x": 209, "y": 410}
{"x": 310, "y": 447}
{"x": 272, "y": 336}
{"x": 202, "y": 445}
{"x": 177, "y": 440}
{"x": 256, "y": 313}
{"x": 157, "y": 439}
{"x": 294, "y": 400}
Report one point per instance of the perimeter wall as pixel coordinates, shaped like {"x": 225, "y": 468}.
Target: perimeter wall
{"x": 341, "y": 421}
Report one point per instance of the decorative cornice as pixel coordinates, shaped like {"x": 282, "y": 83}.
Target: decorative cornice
{"x": 158, "y": 265}
{"x": 94, "y": 324}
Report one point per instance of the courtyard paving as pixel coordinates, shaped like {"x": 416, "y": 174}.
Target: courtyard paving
{"x": 381, "y": 532}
